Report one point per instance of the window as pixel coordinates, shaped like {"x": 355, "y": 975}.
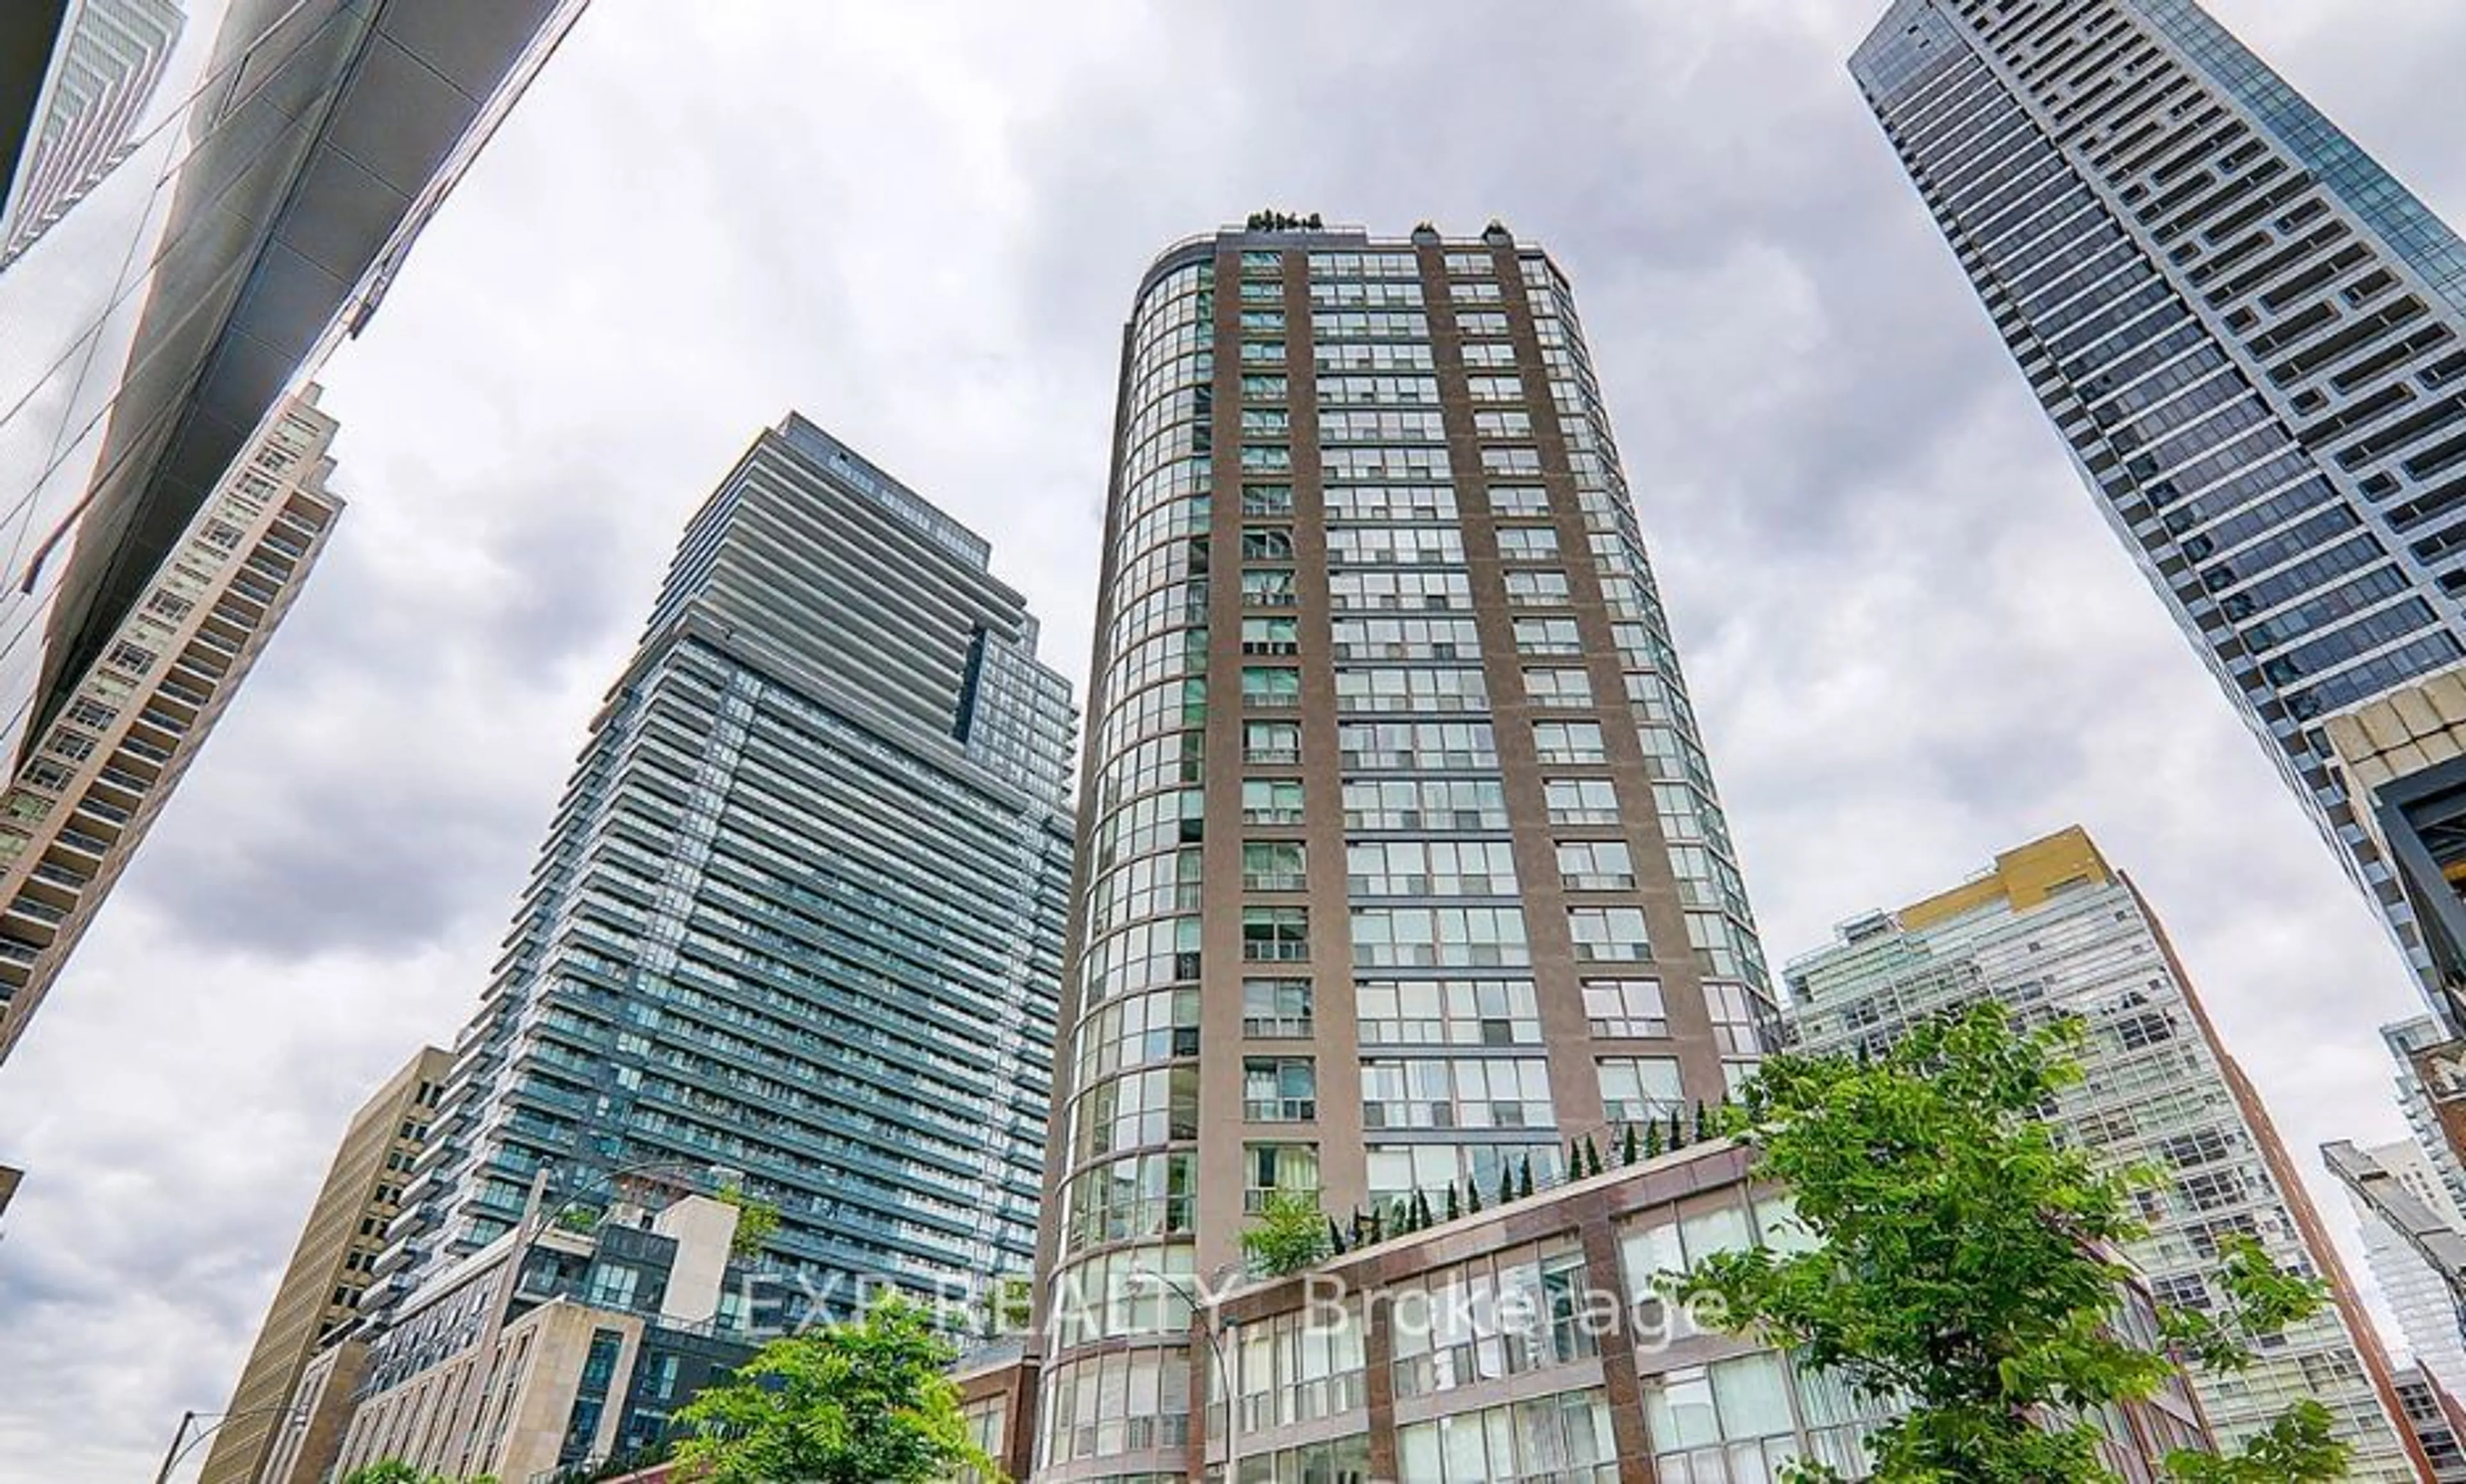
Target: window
{"x": 1450, "y": 1333}
{"x": 1277, "y": 1169}
{"x": 1722, "y": 948}
{"x": 1273, "y": 1009}
{"x": 2138, "y": 1032}
{"x": 1279, "y": 1090}
{"x": 1595, "y": 866}
{"x": 1548, "y": 637}
{"x": 1397, "y": 689}
{"x": 1438, "y": 936}
{"x": 1266, "y": 499}
{"x": 1423, "y": 804}
{"x": 1625, "y": 1009}
{"x": 1262, "y": 389}
{"x": 1276, "y": 934}
{"x": 1737, "y": 1407}
{"x": 2205, "y": 1146}
{"x": 1271, "y": 741}
{"x": 1272, "y": 864}
{"x": 86, "y": 711}
{"x": 2212, "y": 1191}
{"x": 1271, "y": 636}
{"x": 1562, "y": 688}
{"x": 1430, "y": 867}
{"x": 1398, "y": 503}
{"x": 1447, "y": 1012}
{"x": 1269, "y": 590}
{"x": 611, "y": 1287}
{"x": 1143, "y": 1195}
{"x": 1266, "y": 419}
{"x": 1267, "y": 543}
{"x": 1740, "y": 1018}
{"x": 1639, "y": 1089}
{"x": 1373, "y": 546}
{"x": 1609, "y": 935}
{"x": 1537, "y": 589}
{"x": 1380, "y": 637}
{"x": 1495, "y": 389}
{"x": 1467, "y": 1092}
{"x": 1568, "y": 741}
{"x": 1271, "y": 802}
{"x": 1564, "y": 1438}
{"x": 1358, "y": 591}
{"x": 1409, "y": 745}
{"x": 1271, "y": 686}
{"x": 1482, "y": 322}
{"x": 1378, "y": 391}
{"x": 1502, "y": 424}
{"x": 1265, "y": 458}
{"x": 1582, "y": 800}
{"x": 1531, "y": 544}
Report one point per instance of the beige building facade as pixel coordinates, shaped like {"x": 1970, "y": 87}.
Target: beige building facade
{"x": 90, "y": 784}
{"x": 608, "y": 1329}
{"x": 316, "y": 1302}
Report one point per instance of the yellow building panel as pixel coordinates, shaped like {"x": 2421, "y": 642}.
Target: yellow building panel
{"x": 2024, "y": 876}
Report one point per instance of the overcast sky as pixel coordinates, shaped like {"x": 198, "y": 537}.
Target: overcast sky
{"x": 1912, "y": 641}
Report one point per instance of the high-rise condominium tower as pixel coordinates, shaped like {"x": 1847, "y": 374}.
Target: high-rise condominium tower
{"x": 2053, "y": 931}
{"x": 1399, "y": 862}
{"x": 799, "y": 913}
{"x": 99, "y": 774}
{"x": 316, "y": 1302}
{"x": 2249, "y": 336}
{"x": 103, "y": 71}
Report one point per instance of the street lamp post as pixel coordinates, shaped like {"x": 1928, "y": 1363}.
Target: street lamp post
{"x": 1219, "y": 1335}
{"x": 183, "y": 1445}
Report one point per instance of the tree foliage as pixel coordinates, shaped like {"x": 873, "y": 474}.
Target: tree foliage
{"x": 756, "y": 1220}
{"x": 1289, "y": 1235}
{"x": 1963, "y": 1262}
{"x": 394, "y": 1470}
{"x": 862, "y": 1403}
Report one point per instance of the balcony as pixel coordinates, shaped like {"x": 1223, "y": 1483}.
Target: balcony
{"x": 1280, "y": 1109}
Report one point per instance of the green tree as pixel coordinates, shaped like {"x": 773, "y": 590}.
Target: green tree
{"x": 1288, "y": 1237}
{"x": 1007, "y": 1305}
{"x": 394, "y": 1470}
{"x": 860, "y": 1403}
{"x": 756, "y": 1220}
{"x": 1964, "y": 1263}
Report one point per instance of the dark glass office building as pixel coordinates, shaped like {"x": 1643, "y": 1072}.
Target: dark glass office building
{"x": 799, "y": 913}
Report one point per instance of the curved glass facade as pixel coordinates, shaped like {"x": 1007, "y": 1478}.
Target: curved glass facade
{"x": 1391, "y": 776}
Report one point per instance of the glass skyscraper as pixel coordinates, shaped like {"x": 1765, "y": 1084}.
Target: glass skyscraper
{"x": 2251, "y": 337}
{"x": 1401, "y": 863}
{"x": 2053, "y": 931}
{"x": 799, "y": 914}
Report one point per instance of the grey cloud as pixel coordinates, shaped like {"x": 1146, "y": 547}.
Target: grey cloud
{"x": 1911, "y": 639}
